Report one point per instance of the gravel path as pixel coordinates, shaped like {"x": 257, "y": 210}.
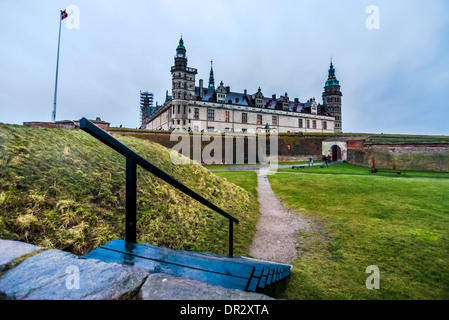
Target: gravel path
{"x": 277, "y": 229}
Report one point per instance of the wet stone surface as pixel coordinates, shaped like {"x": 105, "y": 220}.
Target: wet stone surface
{"x": 55, "y": 274}
{"x": 161, "y": 286}
{"x": 11, "y": 250}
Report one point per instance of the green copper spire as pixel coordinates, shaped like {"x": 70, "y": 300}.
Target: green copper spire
{"x": 211, "y": 78}
{"x": 181, "y": 45}
{"x": 331, "y": 79}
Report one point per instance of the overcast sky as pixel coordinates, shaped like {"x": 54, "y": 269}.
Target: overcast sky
{"x": 394, "y": 79}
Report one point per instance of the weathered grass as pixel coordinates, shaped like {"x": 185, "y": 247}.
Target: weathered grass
{"x": 399, "y": 224}
{"x": 64, "y": 189}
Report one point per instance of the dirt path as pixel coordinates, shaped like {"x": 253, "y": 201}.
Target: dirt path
{"x": 277, "y": 229}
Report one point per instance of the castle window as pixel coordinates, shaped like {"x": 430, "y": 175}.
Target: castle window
{"x": 210, "y": 114}
{"x": 196, "y": 114}
{"x": 325, "y": 125}
{"x": 179, "y": 109}
{"x": 244, "y": 118}
{"x": 227, "y": 116}
{"x": 184, "y": 110}
{"x": 314, "y": 124}
{"x": 259, "y": 119}
{"x": 173, "y": 109}
{"x": 274, "y": 120}
{"x": 308, "y": 124}
{"x": 210, "y": 129}
{"x": 300, "y": 123}
{"x": 177, "y": 121}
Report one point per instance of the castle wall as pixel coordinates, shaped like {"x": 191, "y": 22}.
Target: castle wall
{"x": 427, "y": 157}
{"x": 413, "y": 156}
{"x": 290, "y": 147}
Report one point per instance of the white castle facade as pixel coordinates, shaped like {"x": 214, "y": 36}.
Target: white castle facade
{"x": 218, "y": 109}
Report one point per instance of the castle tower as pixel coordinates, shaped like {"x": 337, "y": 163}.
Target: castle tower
{"x": 183, "y": 87}
{"x": 332, "y": 98}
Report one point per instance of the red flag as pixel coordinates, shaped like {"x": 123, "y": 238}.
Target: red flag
{"x": 63, "y": 15}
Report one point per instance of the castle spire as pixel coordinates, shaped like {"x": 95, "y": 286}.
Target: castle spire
{"x": 211, "y": 77}
{"x": 331, "y": 78}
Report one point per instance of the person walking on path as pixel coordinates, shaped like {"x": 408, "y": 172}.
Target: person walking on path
{"x": 325, "y": 160}
{"x": 310, "y": 161}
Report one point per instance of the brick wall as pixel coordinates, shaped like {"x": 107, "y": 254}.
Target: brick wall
{"x": 428, "y": 157}
{"x": 431, "y": 157}
{"x": 290, "y": 147}
{"x": 53, "y": 125}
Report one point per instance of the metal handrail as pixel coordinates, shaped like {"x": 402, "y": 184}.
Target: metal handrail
{"x": 132, "y": 160}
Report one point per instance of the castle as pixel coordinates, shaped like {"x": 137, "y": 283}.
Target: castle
{"x": 218, "y": 109}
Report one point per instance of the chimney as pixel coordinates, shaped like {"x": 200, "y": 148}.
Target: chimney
{"x": 296, "y": 100}
{"x": 274, "y": 97}
{"x": 228, "y": 89}
{"x": 201, "y": 89}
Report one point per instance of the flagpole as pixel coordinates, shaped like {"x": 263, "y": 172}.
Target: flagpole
{"x": 57, "y": 66}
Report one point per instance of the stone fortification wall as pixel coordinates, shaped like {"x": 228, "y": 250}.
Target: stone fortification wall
{"x": 417, "y": 156}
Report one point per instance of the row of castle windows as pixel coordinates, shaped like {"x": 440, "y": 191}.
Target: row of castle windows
{"x": 332, "y": 99}
{"x": 184, "y": 95}
{"x": 274, "y": 119}
{"x": 183, "y": 76}
{"x": 211, "y": 117}
{"x": 314, "y": 124}
{"x": 180, "y": 85}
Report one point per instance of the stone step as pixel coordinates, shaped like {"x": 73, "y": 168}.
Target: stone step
{"x": 229, "y": 272}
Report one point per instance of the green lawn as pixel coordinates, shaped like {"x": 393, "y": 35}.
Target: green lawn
{"x": 247, "y": 226}
{"x": 398, "y": 224}
{"x": 352, "y": 169}
{"x": 245, "y": 179}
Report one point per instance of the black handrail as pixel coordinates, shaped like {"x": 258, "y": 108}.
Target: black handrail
{"x": 133, "y": 159}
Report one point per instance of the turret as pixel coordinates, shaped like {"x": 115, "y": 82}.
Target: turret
{"x": 332, "y": 97}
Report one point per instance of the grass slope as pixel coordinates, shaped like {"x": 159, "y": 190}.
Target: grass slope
{"x": 399, "y": 224}
{"x": 64, "y": 189}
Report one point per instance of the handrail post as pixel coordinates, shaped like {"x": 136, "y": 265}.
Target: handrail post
{"x": 131, "y": 198}
{"x": 231, "y": 236}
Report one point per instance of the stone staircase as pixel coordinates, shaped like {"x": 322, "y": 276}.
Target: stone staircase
{"x": 241, "y": 273}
